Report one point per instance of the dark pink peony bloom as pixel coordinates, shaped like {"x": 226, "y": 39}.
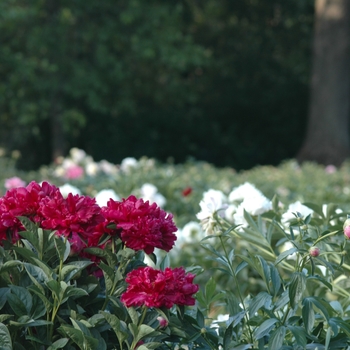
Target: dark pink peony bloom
{"x": 142, "y": 226}
{"x": 22, "y": 201}
{"x": 74, "y": 214}
{"x": 156, "y": 288}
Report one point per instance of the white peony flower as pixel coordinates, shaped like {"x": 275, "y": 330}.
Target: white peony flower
{"x": 257, "y": 204}
{"x": 243, "y": 191}
{"x": 150, "y": 193}
{"x": 104, "y": 196}
{"x": 213, "y": 201}
{"x": 107, "y": 167}
{"x": 91, "y": 168}
{"x": 191, "y": 232}
{"x": 77, "y": 155}
{"x": 128, "y": 164}
{"x": 68, "y": 188}
{"x": 230, "y": 211}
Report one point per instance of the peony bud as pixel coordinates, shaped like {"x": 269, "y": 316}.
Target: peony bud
{"x": 163, "y": 322}
{"x": 314, "y": 251}
{"x": 347, "y": 232}
{"x": 346, "y": 228}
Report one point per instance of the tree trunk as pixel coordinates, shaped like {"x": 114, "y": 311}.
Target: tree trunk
{"x": 327, "y": 136}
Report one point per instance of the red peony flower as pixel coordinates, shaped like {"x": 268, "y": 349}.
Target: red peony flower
{"x": 142, "y": 226}
{"x": 76, "y": 213}
{"x": 156, "y": 288}
{"x": 187, "y": 191}
{"x": 22, "y": 201}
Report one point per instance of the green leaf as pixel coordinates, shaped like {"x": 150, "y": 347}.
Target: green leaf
{"x": 210, "y": 289}
{"x": 316, "y": 208}
{"x": 80, "y": 325}
{"x": 83, "y": 341}
{"x": 29, "y": 225}
{"x": 149, "y": 346}
{"x": 108, "y": 274}
{"x": 5, "y": 317}
{"x": 133, "y": 315}
{"x": 266, "y": 275}
{"x": 41, "y": 294}
{"x": 241, "y": 266}
{"x": 114, "y": 322}
{"x": 259, "y": 301}
{"x": 63, "y": 248}
{"x": 265, "y": 328}
{"x": 275, "y": 280}
{"x": 296, "y": 288}
{"x": 339, "y": 322}
{"x": 3, "y": 296}
{"x": 58, "y": 344}
{"x": 5, "y": 338}
{"x": 55, "y": 287}
{"x": 323, "y": 306}
{"x": 27, "y": 322}
{"x": 165, "y": 262}
{"x": 200, "y": 318}
{"x": 8, "y": 265}
{"x": 72, "y": 269}
{"x": 322, "y": 280}
{"x": 284, "y": 254}
{"x": 328, "y": 338}
{"x": 25, "y": 253}
{"x": 299, "y": 335}
{"x": 277, "y": 337}
{"x": 143, "y": 331}
{"x": 20, "y": 300}
{"x": 308, "y": 315}
{"x": 282, "y": 300}
{"x": 38, "y": 308}
{"x": 72, "y": 291}
{"x": 47, "y": 270}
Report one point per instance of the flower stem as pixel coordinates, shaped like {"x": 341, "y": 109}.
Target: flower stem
{"x": 233, "y": 273}
{"x": 326, "y": 236}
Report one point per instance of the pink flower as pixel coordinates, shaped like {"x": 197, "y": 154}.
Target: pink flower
{"x": 156, "y": 288}
{"x": 14, "y": 182}
{"x": 142, "y": 226}
{"x": 74, "y": 172}
{"x": 330, "y": 169}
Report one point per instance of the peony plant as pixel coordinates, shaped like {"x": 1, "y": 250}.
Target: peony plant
{"x": 283, "y": 273}
{"x": 72, "y": 275}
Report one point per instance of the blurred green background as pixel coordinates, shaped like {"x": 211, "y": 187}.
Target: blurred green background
{"x": 222, "y": 81}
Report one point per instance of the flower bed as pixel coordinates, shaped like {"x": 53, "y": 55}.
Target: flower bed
{"x": 243, "y": 271}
